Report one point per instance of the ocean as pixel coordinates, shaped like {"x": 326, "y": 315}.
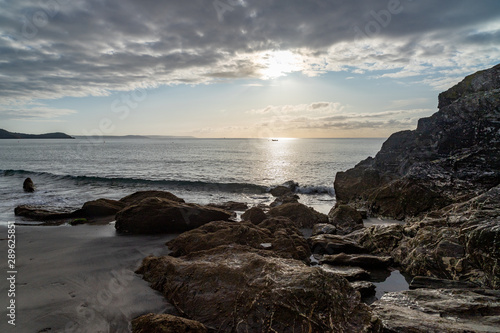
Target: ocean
{"x": 68, "y": 173}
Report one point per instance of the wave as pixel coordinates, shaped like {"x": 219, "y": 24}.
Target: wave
{"x": 178, "y": 184}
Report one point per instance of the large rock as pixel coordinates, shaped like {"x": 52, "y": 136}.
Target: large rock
{"x": 333, "y": 244}
{"x": 254, "y": 215}
{"x": 348, "y": 272}
{"x": 157, "y": 215}
{"x": 452, "y": 156}
{"x": 101, "y": 207}
{"x": 437, "y": 311}
{"x": 379, "y": 239}
{"x": 301, "y": 215}
{"x": 42, "y": 213}
{"x": 346, "y": 219}
{"x": 277, "y": 235}
{"x": 361, "y": 260}
{"x": 165, "y": 323}
{"x": 323, "y": 228}
{"x": 28, "y": 185}
{"x": 240, "y": 289}
{"x": 137, "y": 197}
{"x": 230, "y": 206}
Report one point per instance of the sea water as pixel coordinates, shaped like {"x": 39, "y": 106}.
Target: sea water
{"x": 69, "y": 172}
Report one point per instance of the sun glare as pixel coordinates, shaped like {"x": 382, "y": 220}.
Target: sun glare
{"x": 279, "y": 63}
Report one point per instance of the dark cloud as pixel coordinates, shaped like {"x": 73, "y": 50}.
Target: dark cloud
{"x": 77, "y": 48}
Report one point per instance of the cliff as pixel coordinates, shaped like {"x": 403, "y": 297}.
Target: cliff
{"x": 452, "y": 156}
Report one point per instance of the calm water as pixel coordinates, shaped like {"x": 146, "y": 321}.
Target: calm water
{"x": 69, "y": 172}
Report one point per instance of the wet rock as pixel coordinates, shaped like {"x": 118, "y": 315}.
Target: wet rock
{"x": 165, "y": 323}
{"x": 324, "y": 228}
{"x": 101, "y": 207}
{"x": 346, "y": 219}
{"x": 42, "y": 214}
{"x": 288, "y": 198}
{"x": 276, "y": 235}
{"x": 365, "y": 288}
{"x": 434, "y": 283}
{"x": 333, "y": 244}
{"x": 347, "y": 272}
{"x": 361, "y": 260}
{"x": 28, "y": 185}
{"x": 231, "y": 206}
{"x": 301, "y": 215}
{"x": 379, "y": 239}
{"x": 254, "y": 215}
{"x": 280, "y": 191}
{"x": 436, "y": 311}
{"x": 240, "y": 289}
{"x": 157, "y": 215}
{"x": 141, "y": 195}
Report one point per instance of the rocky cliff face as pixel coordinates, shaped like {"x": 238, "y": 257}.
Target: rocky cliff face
{"x": 452, "y": 156}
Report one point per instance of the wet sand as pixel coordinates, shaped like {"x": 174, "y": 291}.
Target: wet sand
{"x": 79, "y": 279}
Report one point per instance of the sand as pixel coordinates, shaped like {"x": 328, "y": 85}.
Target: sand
{"x": 79, "y": 279}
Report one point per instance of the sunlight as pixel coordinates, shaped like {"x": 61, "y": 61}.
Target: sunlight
{"x": 279, "y": 63}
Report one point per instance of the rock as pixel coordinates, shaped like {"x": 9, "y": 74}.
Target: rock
{"x": 333, "y": 244}
{"x": 79, "y": 221}
{"x": 42, "y": 214}
{"x": 280, "y": 191}
{"x": 137, "y": 197}
{"x": 231, "y": 206}
{"x": 365, "y": 288}
{"x": 301, "y": 215}
{"x": 287, "y": 198}
{"x": 348, "y": 273}
{"x": 379, "y": 239}
{"x": 361, "y": 260}
{"x": 278, "y": 235}
{"x": 28, "y": 185}
{"x": 254, "y": 215}
{"x": 158, "y": 215}
{"x": 346, "y": 219}
{"x": 240, "y": 289}
{"x": 429, "y": 168}
{"x": 165, "y": 323}
{"x": 436, "y": 311}
{"x": 101, "y": 207}
{"x": 434, "y": 283}
{"x": 324, "y": 228}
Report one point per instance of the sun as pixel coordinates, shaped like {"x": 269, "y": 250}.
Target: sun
{"x": 279, "y": 63}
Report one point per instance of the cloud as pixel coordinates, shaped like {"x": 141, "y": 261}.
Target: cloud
{"x": 38, "y": 113}
{"x": 80, "y": 48}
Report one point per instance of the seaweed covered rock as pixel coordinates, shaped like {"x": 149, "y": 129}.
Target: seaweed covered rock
{"x": 240, "y": 289}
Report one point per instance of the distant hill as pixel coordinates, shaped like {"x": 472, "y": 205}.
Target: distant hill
{"x": 9, "y": 135}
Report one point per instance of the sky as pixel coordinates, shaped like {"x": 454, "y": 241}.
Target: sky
{"x": 236, "y": 68}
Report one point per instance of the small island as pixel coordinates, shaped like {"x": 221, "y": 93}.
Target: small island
{"x": 10, "y": 135}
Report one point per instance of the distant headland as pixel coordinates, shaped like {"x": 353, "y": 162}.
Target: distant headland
{"x": 9, "y": 135}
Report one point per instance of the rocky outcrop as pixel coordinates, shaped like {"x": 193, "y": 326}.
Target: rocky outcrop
{"x": 442, "y": 310}
{"x": 165, "y": 323}
{"x": 277, "y": 235}
{"x": 452, "y": 156}
{"x": 101, "y": 207}
{"x": 230, "y": 206}
{"x": 301, "y": 215}
{"x": 240, "y": 289}
{"x": 42, "y": 214}
{"x": 137, "y": 197}
{"x": 346, "y": 219}
{"x": 284, "y": 199}
{"x": 158, "y": 215}
{"x": 28, "y": 185}
{"x": 379, "y": 239}
{"x": 333, "y": 244}
{"x": 254, "y": 215}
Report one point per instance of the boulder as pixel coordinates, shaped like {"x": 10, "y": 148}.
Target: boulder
{"x": 42, "y": 214}
{"x": 436, "y": 311}
{"x": 346, "y": 219}
{"x": 324, "y": 228}
{"x": 254, "y": 215}
{"x": 361, "y": 260}
{"x": 101, "y": 207}
{"x": 283, "y": 238}
{"x": 231, "y": 206}
{"x": 333, "y": 244}
{"x": 287, "y": 198}
{"x": 280, "y": 191}
{"x": 141, "y": 195}
{"x": 165, "y": 323}
{"x": 240, "y": 289}
{"x": 158, "y": 215}
{"x": 28, "y": 185}
{"x": 379, "y": 239}
{"x": 301, "y": 215}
